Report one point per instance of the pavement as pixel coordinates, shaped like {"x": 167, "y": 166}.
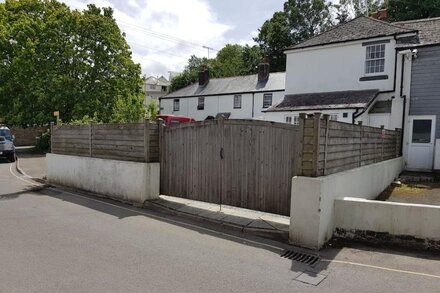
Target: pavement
{"x": 56, "y": 240}
{"x": 246, "y": 221}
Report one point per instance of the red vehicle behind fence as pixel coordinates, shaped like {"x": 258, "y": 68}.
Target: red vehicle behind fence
{"x": 171, "y": 120}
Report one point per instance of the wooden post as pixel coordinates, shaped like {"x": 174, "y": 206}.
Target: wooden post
{"x": 327, "y": 125}
{"x": 146, "y": 141}
{"x": 299, "y": 162}
{"x": 397, "y": 140}
{"x": 90, "y": 138}
{"x": 382, "y": 136}
{"x": 51, "y": 137}
{"x": 316, "y": 140}
{"x": 361, "y": 136}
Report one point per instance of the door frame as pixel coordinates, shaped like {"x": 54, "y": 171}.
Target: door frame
{"x": 410, "y": 134}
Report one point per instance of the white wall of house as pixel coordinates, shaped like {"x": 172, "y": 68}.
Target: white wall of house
{"x": 251, "y": 106}
{"x": 336, "y": 68}
{"x": 343, "y": 115}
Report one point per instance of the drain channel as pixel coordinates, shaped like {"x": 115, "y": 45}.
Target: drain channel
{"x": 304, "y": 258}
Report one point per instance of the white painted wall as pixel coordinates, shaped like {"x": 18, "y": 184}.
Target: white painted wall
{"x": 220, "y": 104}
{"x": 312, "y": 202}
{"x": 126, "y": 181}
{"x": 421, "y": 221}
{"x": 281, "y": 116}
{"x": 335, "y": 68}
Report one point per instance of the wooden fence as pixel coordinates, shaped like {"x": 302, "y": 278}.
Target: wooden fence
{"x": 138, "y": 142}
{"x": 329, "y": 147}
{"x": 243, "y": 163}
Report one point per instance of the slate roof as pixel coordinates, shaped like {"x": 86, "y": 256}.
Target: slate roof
{"x": 381, "y": 107}
{"x": 326, "y": 100}
{"x": 429, "y": 30}
{"x": 358, "y": 28}
{"x": 232, "y": 85}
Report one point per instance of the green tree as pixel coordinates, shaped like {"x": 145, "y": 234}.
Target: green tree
{"x": 128, "y": 109}
{"x": 229, "y": 61}
{"x": 56, "y": 59}
{"x": 152, "y": 111}
{"x": 300, "y": 20}
{"x": 400, "y": 10}
{"x": 359, "y": 7}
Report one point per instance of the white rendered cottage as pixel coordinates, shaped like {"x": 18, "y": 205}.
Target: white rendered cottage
{"x": 239, "y": 97}
{"x": 356, "y": 71}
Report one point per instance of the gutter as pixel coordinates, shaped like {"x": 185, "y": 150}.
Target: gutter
{"x": 356, "y": 114}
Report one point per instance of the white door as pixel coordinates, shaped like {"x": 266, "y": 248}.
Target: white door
{"x": 421, "y": 143}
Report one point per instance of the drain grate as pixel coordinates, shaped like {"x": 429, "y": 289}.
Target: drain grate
{"x": 304, "y": 258}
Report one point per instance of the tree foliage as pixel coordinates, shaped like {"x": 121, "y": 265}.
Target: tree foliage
{"x": 400, "y": 10}
{"x": 53, "y": 58}
{"x": 299, "y": 20}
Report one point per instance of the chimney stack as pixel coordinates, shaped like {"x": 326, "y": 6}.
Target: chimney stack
{"x": 203, "y": 75}
{"x": 380, "y": 15}
{"x": 263, "y": 70}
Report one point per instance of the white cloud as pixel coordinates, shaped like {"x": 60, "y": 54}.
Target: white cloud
{"x": 149, "y": 23}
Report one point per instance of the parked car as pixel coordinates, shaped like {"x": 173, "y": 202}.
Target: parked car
{"x": 7, "y": 148}
{"x": 171, "y": 120}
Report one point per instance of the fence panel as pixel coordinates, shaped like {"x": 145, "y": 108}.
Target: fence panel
{"x": 138, "y": 142}
{"x": 330, "y": 146}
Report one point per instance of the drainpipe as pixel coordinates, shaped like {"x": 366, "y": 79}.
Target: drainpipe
{"x": 404, "y": 103}
{"x": 355, "y": 115}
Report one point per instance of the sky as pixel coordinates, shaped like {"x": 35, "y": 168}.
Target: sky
{"x": 163, "y": 34}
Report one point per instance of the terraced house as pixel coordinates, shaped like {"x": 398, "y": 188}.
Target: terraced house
{"x": 380, "y": 73}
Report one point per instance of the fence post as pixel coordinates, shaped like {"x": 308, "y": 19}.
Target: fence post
{"x": 397, "y": 142}
{"x": 299, "y": 163}
{"x": 327, "y": 125}
{"x": 146, "y": 140}
{"x": 51, "y": 137}
{"x": 316, "y": 140}
{"x": 382, "y": 136}
{"x": 361, "y": 136}
{"x": 90, "y": 138}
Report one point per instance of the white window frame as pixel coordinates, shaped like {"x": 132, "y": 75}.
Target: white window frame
{"x": 176, "y": 105}
{"x": 152, "y": 86}
{"x": 201, "y": 103}
{"x": 264, "y": 98}
{"x": 375, "y": 53}
{"x": 288, "y": 119}
{"x": 237, "y": 101}
{"x": 296, "y": 120}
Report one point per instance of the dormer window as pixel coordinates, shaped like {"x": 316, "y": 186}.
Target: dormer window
{"x": 375, "y": 59}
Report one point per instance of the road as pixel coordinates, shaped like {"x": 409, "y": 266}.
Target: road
{"x": 55, "y": 240}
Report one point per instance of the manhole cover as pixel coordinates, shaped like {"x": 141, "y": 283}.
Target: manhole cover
{"x": 308, "y": 259}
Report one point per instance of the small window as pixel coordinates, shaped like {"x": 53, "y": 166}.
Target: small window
{"x": 375, "y": 59}
{"x": 295, "y": 120}
{"x": 164, "y": 88}
{"x": 421, "y": 132}
{"x": 289, "y": 119}
{"x": 237, "y": 102}
{"x": 267, "y": 100}
{"x": 152, "y": 86}
{"x": 201, "y": 103}
{"x": 345, "y": 115}
{"x": 334, "y": 117}
{"x": 176, "y": 105}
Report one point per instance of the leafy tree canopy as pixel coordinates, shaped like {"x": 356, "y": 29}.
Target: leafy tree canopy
{"x": 56, "y": 59}
{"x": 299, "y": 20}
{"x": 400, "y": 10}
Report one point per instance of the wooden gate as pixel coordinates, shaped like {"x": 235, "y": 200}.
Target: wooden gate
{"x": 242, "y": 163}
